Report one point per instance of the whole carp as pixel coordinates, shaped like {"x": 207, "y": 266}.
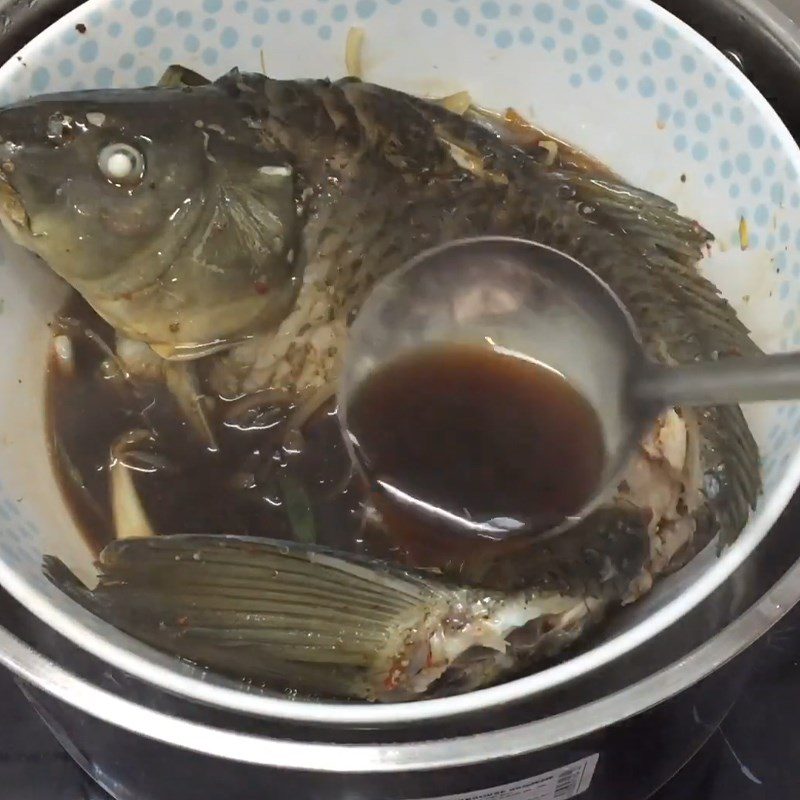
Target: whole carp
{"x": 244, "y": 220}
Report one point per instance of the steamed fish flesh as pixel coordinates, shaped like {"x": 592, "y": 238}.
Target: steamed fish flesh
{"x": 244, "y": 221}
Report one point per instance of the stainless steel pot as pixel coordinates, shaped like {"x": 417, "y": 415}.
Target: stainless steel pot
{"x": 643, "y": 722}
{"x": 642, "y": 717}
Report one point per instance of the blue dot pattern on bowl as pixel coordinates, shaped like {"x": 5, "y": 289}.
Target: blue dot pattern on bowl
{"x": 700, "y": 107}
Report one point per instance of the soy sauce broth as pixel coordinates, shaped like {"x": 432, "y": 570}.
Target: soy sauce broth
{"x": 485, "y": 436}
{"x": 253, "y": 484}
{"x": 465, "y": 427}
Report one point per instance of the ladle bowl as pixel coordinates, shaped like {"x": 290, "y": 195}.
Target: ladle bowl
{"x": 528, "y": 299}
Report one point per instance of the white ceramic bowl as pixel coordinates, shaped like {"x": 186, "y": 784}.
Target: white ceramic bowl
{"x": 622, "y": 79}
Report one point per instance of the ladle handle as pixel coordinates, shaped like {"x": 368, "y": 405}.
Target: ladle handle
{"x": 727, "y": 381}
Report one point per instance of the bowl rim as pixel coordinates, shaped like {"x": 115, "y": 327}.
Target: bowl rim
{"x": 226, "y": 694}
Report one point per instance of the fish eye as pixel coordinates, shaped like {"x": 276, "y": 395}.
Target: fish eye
{"x": 121, "y": 163}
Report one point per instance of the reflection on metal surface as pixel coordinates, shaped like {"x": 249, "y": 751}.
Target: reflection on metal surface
{"x": 735, "y": 58}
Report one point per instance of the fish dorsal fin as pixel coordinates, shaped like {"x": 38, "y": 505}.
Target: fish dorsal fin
{"x": 178, "y": 77}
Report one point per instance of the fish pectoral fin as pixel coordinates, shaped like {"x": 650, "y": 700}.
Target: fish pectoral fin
{"x": 183, "y": 383}
{"x": 177, "y": 77}
{"x": 255, "y": 215}
{"x": 297, "y": 616}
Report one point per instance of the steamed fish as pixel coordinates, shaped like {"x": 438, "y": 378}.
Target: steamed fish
{"x": 244, "y": 221}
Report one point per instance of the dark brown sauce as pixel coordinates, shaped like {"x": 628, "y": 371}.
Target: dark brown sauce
{"x": 517, "y": 130}
{"x": 251, "y": 485}
{"x": 495, "y": 441}
{"x": 465, "y": 428}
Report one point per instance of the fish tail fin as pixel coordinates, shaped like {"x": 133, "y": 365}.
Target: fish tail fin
{"x": 733, "y": 477}
{"x": 291, "y": 616}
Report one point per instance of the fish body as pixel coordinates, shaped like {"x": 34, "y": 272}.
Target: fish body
{"x": 252, "y": 216}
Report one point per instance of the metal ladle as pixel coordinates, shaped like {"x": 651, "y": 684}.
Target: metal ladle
{"x": 537, "y": 302}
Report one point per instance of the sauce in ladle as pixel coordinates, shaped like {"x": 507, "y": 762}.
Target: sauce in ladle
{"x": 466, "y": 439}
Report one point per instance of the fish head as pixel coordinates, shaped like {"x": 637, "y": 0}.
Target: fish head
{"x": 164, "y": 207}
{"x": 93, "y": 182}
